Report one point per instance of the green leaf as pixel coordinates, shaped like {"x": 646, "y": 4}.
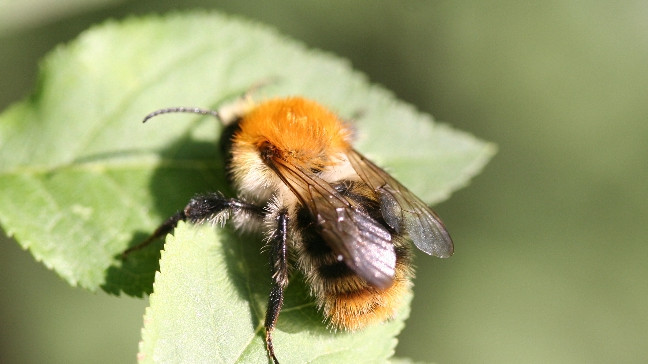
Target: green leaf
{"x": 81, "y": 179}
{"x": 199, "y": 314}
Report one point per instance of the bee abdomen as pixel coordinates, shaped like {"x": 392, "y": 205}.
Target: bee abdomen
{"x": 347, "y": 301}
{"x": 354, "y": 310}
{"x": 350, "y": 303}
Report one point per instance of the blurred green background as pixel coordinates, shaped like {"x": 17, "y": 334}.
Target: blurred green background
{"x": 550, "y": 239}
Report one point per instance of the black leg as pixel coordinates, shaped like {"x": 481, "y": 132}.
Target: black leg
{"x": 162, "y": 230}
{"x": 200, "y": 208}
{"x": 279, "y": 277}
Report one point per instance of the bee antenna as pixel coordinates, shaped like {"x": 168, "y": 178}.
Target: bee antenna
{"x": 192, "y": 110}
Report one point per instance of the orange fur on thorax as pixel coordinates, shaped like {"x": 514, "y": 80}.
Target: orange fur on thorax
{"x": 296, "y": 127}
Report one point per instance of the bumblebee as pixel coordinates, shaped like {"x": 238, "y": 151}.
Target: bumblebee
{"x": 323, "y": 207}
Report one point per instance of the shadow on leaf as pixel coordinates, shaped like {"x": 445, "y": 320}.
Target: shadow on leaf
{"x": 186, "y": 168}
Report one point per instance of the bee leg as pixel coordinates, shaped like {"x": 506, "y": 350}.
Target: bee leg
{"x": 162, "y": 230}
{"x": 279, "y": 277}
{"x": 200, "y": 208}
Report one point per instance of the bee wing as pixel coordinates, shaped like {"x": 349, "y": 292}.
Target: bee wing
{"x": 357, "y": 239}
{"x": 403, "y": 211}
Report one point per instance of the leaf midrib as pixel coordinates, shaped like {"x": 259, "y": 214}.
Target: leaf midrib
{"x": 141, "y": 163}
